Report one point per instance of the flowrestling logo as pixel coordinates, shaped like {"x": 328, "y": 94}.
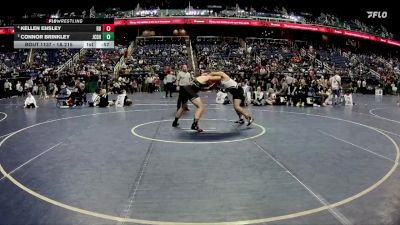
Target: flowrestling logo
{"x": 377, "y": 14}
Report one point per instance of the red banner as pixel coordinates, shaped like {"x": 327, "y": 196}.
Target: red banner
{"x": 227, "y": 22}
{"x": 138, "y": 22}
{"x": 119, "y": 22}
{"x": 6, "y": 30}
{"x": 239, "y": 22}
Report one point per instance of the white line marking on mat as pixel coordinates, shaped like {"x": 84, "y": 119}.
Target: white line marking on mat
{"x": 357, "y": 146}
{"x": 338, "y": 215}
{"x": 5, "y": 116}
{"x": 37, "y": 156}
{"x": 381, "y": 117}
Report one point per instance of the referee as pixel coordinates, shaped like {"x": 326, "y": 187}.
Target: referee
{"x": 184, "y": 78}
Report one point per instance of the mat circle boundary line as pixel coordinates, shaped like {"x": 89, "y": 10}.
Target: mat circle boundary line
{"x": 242, "y": 222}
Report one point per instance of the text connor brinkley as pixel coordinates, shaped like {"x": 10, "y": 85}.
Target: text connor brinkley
{"x": 52, "y": 28}
{"x": 47, "y": 36}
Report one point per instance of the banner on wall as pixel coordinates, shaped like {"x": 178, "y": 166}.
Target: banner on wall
{"x": 239, "y": 22}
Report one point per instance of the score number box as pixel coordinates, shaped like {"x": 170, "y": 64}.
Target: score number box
{"x": 108, "y": 36}
{"x": 108, "y": 28}
{"x": 105, "y": 44}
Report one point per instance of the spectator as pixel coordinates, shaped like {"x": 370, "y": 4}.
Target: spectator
{"x": 156, "y": 83}
{"x": 335, "y": 83}
{"x": 95, "y": 98}
{"x": 258, "y": 97}
{"x": 7, "y": 89}
{"x": 35, "y": 89}
{"x": 319, "y": 92}
{"x": 169, "y": 83}
{"x": 75, "y": 98}
{"x": 328, "y": 100}
{"x": 64, "y": 93}
{"x": 134, "y": 86}
{"x": 364, "y": 86}
{"x": 19, "y": 89}
{"x": 398, "y": 86}
{"x": 123, "y": 100}
{"x": 116, "y": 87}
{"x": 292, "y": 92}
{"x": 104, "y": 99}
{"x": 149, "y": 84}
{"x": 246, "y": 92}
{"x": 221, "y": 96}
{"x": 358, "y": 86}
{"x": 30, "y": 101}
{"x": 29, "y": 85}
{"x": 271, "y": 97}
{"x": 42, "y": 91}
{"x": 140, "y": 84}
{"x": 300, "y": 93}
{"x": 55, "y": 91}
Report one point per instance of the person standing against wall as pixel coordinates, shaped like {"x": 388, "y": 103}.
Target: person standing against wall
{"x": 169, "y": 83}
{"x": 364, "y": 87}
{"x": 7, "y": 89}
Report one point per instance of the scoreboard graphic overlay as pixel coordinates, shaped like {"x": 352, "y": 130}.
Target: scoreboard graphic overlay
{"x": 64, "y": 33}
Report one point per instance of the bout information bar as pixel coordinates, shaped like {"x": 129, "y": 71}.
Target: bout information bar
{"x": 64, "y": 44}
{"x": 64, "y": 33}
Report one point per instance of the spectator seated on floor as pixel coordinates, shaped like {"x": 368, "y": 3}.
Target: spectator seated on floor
{"x": 64, "y": 93}
{"x": 348, "y": 98}
{"x": 127, "y": 101}
{"x": 328, "y": 100}
{"x": 55, "y": 91}
{"x": 95, "y": 98}
{"x": 222, "y": 98}
{"x": 284, "y": 87}
{"x": 258, "y": 97}
{"x": 104, "y": 99}
{"x": 43, "y": 91}
{"x": 62, "y": 97}
{"x": 30, "y": 101}
{"x": 317, "y": 92}
{"x": 271, "y": 97}
{"x": 123, "y": 100}
{"x": 76, "y": 98}
{"x": 301, "y": 93}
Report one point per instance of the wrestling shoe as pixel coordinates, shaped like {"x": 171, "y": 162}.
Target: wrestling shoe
{"x": 196, "y": 127}
{"x": 250, "y": 121}
{"x": 241, "y": 121}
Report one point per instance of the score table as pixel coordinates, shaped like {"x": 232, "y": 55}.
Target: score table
{"x": 64, "y": 33}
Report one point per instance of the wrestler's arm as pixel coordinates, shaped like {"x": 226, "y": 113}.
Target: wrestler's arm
{"x": 221, "y": 74}
{"x": 217, "y": 73}
{"x": 210, "y": 80}
{"x": 214, "y": 78}
{"x": 206, "y": 78}
{"x": 213, "y": 84}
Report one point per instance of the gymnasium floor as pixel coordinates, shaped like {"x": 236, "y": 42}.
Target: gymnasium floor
{"x": 81, "y": 166}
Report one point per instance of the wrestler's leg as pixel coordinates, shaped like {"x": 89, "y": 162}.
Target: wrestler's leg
{"x": 242, "y": 111}
{"x": 184, "y": 99}
{"x": 198, "y": 114}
